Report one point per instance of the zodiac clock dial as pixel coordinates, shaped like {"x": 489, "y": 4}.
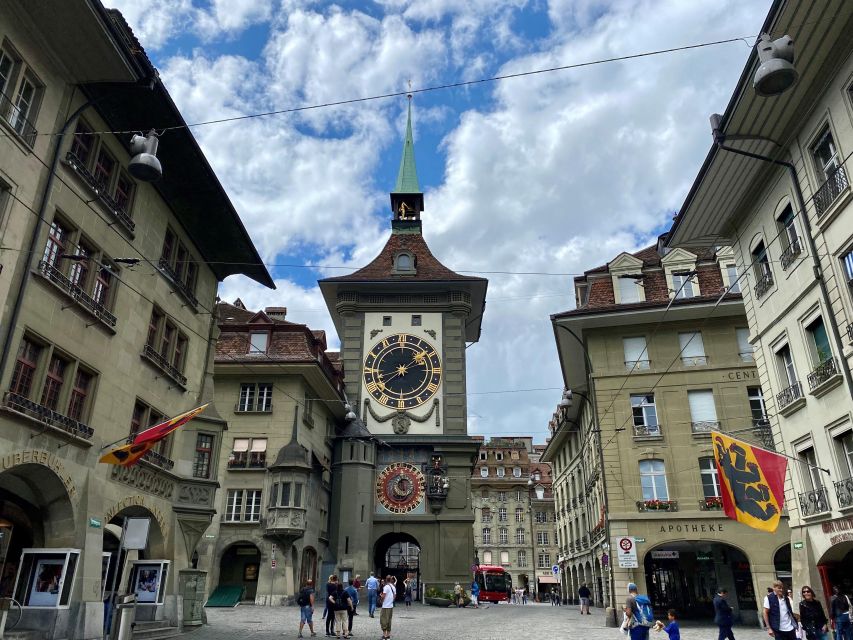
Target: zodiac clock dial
{"x": 400, "y": 487}
{"x": 402, "y": 371}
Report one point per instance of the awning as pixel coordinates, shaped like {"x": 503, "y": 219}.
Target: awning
{"x": 547, "y": 580}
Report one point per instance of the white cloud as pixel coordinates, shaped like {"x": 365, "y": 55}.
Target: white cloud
{"x": 231, "y": 16}
{"x": 155, "y": 22}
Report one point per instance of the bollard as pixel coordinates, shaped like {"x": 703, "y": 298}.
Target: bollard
{"x": 126, "y": 617}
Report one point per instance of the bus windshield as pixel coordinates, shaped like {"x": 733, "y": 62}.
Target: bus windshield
{"x": 496, "y": 582}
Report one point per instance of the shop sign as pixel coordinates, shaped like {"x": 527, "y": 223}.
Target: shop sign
{"x": 627, "y": 552}
{"x": 45, "y": 459}
{"x": 94, "y": 523}
{"x": 841, "y": 537}
{"x": 665, "y": 555}
{"x": 688, "y": 527}
{"x": 798, "y": 545}
{"x": 705, "y": 558}
{"x": 837, "y": 526}
{"x": 743, "y": 374}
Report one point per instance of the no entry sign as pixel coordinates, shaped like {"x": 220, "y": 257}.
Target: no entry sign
{"x": 626, "y": 550}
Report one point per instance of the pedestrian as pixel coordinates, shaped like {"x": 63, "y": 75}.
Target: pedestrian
{"x": 372, "y": 585}
{"x": 342, "y": 605}
{"x": 671, "y": 629}
{"x": 458, "y": 597}
{"x": 305, "y": 600}
{"x": 328, "y": 611}
{"x": 407, "y": 593}
{"x": 523, "y": 595}
{"x": 584, "y": 594}
{"x": 723, "y": 615}
{"x": 357, "y": 584}
{"x": 389, "y": 594}
{"x": 779, "y": 617}
{"x": 840, "y": 610}
{"x": 352, "y": 592}
{"x": 475, "y": 594}
{"x": 639, "y": 616}
{"x": 812, "y": 617}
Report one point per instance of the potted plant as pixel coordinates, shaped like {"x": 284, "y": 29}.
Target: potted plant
{"x": 438, "y": 598}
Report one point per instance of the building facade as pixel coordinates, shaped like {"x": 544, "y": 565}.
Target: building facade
{"x": 543, "y": 524}
{"x": 281, "y": 393}
{"x": 787, "y": 213}
{"x": 655, "y": 354}
{"x": 107, "y": 288}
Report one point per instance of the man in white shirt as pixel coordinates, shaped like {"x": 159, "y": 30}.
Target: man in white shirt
{"x": 389, "y": 593}
{"x": 779, "y": 616}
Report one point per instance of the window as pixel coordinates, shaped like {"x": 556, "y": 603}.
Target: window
{"x": 734, "y": 281}
{"x": 519, "y": 536}
{"x": 248, "y": 453}
{"x": 484, "y": 472}
{"x": 57, "y": 239}
{"x": 812, "y": 479}
{"x": 692, "y": 349}
{"x": 483, "y": 455}
{"x": 487, "y": 535}
{"x": 7, "y": 65}
{"x": 53, "y": 382}
{"x": 82, "y": 143}
{"x": 502, "y": 515}
{"x": 143, "y": 417}
{"x": 499, "y": 455}
{"x": 258, "y": 341}
{"x": 540, "y": 493}
{"x": 308, "y": 409}
{"x": 487, "y": 514}
{"x": 416, "y": 321}
{"x": 255, "y": 397}
{"x": 544, "y": 561}
{"x": 501, "y": 472}
{"x": 167, "y": 346}
{"x": 629, "y": 290}
{"x": 826, "y": 155}
{"x": 844, "y": 451}
{"x": 25, "y": 367}
{"x": 519, "y": 496}
{"x": 519, "y": 514}
{"x": 745, "y": 349}
{"x": 787, "y": 227}
{"x": 847, "y": 263}
{"x": 710, "y": 478}
{"x": 540, "y": 517}
{"x": 386, "y": 321}
{"x": 103, "y": 284}
{"x": 487, "y": 556}
{"x": 22, "y": 92}
{"x": 78, "y": 407}
{"x": 763, "y": 274}
{"x": 486, "y": 494}
{"x": 504, "y": 557}
{"x": 653, "y": 480}
{"x": 542, "y": 538}
{"x": 645, "y": 415}
{"x": 80, "y": 268}
{"x": 756, "y": 405}
{"x": 819, "y": 341}
{"x": 404, "y": 262}
{"x": 203, "y": 453}
{"x": 513, "y": 455}
{"x": 104, "y": 167}
{"x": 516, "y": 472}
{"x": 290, "y": 496}
{"x": 703, "y": 412}
{"x": 537, "y": 476}
{"x": 503, "y": 535}
{"x": 785, "y": 362}
{"x": 522, "y": 558}
{"x": 177, "y": 263}
{"x": 682, "y": 285}
{"x": 501, "y": 496}
{"x": 243, "y": 505}
{"x": 636, "y": 353}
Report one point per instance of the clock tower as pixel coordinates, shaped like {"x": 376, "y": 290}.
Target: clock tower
{"x": 401, "y": 486}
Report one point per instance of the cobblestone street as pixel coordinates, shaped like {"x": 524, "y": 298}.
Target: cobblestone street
{"x": 539, "y": 621}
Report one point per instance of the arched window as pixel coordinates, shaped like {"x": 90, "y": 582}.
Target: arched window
{"x": 404, "y": 262}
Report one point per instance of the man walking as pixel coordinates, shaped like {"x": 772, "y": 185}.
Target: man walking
{"x": 352, "y": 592}
{"x": 723, "y": 615}
{"x": 779, "y": 617}
{"x": 584, "y": 594}
{"x": 638, "y": 611}
{"x": 389, "y": 593}
{"x": 305, "y": 600}
{"x": 372, "y": 585}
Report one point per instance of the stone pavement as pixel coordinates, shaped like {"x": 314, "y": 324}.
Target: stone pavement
{"x": 492, "y": 622}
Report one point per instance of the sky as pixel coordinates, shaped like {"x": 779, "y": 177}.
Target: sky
{"x": 553, "y": 173}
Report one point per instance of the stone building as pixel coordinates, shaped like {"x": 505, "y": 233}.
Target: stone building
{"x": 656, "y": 359}
{"x": 787, "y": 213}
{"x": 543, "y": 523}
{"x": 107, "y": 286}
{"x": 281, "y": 392}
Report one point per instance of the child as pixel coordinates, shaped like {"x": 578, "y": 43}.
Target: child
{"x": 671, "y": 629}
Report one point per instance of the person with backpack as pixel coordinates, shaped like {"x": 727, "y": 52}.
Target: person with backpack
{"x": 840, "y": 610}
{"x": 352, "y": 592}
{"x": 639, "y": 615}
{"x": 340, "y": 603}
{"x": 305, "y": 600}
{"x": 723, "y": 615}
{"x": 329, "y": 611}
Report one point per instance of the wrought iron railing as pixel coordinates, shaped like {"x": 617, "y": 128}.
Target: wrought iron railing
{"x": 11, "y": 113}
{"x": 584, "y": 542}
{"x": 657, "y": 505}
{"x": 636, "y": 365}
{"x": 764, "y": 283}
{"x": 159, "y": 460}
{"x": 76, "y": 293}
{"x": 762, "y": 431}
{"x": 789, "y": 395}
{"x": 177, "y": 283}
{"x": 100, "y": 190}
{"x": 646, "y": 431}
{"x": 814, "y": 502}
{"x": 162, "y": 363}
{"x": 850, "y": 331}
{"x": 844, "y": 493}
{"x": 823, "y": 372}
{"x": 705, "y": 426}
{"x": 790, "y": 254}
{"x": 47, "y": 416}
{"x": 247, "y": 460}
{"x": 835, "y": 184}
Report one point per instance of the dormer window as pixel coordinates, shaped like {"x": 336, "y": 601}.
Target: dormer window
{"x": 404, "y": 263}
{"x": 258, "y": 341}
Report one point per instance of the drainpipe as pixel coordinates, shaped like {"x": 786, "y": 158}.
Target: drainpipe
{"x": 719, "y": 141}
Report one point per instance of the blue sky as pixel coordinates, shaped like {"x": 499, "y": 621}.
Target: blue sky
{"x": 553, "y": 173}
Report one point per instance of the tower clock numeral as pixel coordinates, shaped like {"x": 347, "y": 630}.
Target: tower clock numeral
{"x": 372, "y": 387}
{"x": 432, "y": 387}
{"x": 383, "y": 399}
{"x": 385, "y": 344}
{"x": 401, "y": 404}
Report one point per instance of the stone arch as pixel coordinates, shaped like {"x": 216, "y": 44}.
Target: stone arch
{"x": 156, "y": 535}
{"x": 239, "y": 566}
{"x": 38, "y": 489}
{"x": 308, "y": 565}
{"x": 393, "y": 555}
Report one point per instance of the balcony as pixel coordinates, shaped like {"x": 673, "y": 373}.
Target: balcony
{"x": 597, "y": 533}
{"x": 257, "y": 407}
{"x": 657, "y": 505}
{"x": 177, "y": 284}
{"x": 822, "y": 375}
{"x": 118, "y": 212}
{"x": 12, "y": 115}
{"x": 711, "y": 504}
{"x": 637, "y": 365}
{"x": 828, "y": 193}
{"x": 844, "y": 493}
{"x": 584, "y": 542}
{"x": 813, "y": 503}
{"x": 763, "y": 433}
{"x": 704, "y": 427}
{"x": 247, "y": 460}
{"x": 574, "y": 503}
{"x": 764, "y": 284}
{"x": 80, "y": 297}
{"x": 647, "y": 431}
{"x": 153, "y": 356}
{"x": 46, "y": 416}
{"x": 850, "y": 326}
{"x": 790, "y": 254}
{"x": 159, "y": 460}
{"x": 789, "y": 396}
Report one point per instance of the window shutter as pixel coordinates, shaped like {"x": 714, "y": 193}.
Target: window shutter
{"x": 702, "y": 407}
{"x": 691, "y": 345}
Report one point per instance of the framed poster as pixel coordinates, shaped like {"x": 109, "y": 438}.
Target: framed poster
{"x": 148, "y": 581}
{"x": 250, "y": 572}
{"x": 45, "y": 577}
{"x": 44, "y": 591}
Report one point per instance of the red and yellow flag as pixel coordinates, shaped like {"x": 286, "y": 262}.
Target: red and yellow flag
{"x": 752, "y": 482}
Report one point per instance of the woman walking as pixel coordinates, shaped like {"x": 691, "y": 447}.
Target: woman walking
{"x": 812, "y": 617}
{"x": 839, "y": 610}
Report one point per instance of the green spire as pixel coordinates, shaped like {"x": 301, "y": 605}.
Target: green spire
{"x": 407, "y": 177}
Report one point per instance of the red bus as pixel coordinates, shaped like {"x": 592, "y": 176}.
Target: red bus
{"x": 495, "y": 583}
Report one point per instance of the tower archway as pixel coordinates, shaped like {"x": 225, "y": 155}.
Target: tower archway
{"x": 398, "y": 555}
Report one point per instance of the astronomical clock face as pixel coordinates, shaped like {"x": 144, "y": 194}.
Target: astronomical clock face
{"x": 400, "y": 487}
{"x": 402, "y": 371}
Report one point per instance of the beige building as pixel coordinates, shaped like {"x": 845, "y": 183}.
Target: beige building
{"x": 282, "y": 394}
{"x": 106, "y": 291}
{"x": 791, "y": 228}
{"x": 654, "y": 365}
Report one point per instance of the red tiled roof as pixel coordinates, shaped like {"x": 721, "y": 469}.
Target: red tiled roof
{"x": 230, "y": 314}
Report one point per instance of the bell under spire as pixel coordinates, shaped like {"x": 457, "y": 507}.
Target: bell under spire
{"x": 407, "y": 200}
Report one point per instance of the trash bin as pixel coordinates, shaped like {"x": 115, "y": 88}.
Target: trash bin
{"x": 125, "y": 617}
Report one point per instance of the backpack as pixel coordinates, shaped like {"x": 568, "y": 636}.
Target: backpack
{"x": 304, "y": 598}
{"x": 643, "y": 613}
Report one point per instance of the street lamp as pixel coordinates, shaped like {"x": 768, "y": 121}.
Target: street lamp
{"x": 776, "y": 74}
{"x": 144, "y": 164}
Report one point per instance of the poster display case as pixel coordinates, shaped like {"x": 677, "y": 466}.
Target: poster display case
{"x": 148, "y": 581}
{"x": 46, "y": 577}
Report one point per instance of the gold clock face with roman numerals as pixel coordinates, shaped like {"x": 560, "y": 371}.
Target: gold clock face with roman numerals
{"x": 402, "y": 371}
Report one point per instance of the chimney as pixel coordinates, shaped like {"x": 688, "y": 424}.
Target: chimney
{"x": 276, "y": 313}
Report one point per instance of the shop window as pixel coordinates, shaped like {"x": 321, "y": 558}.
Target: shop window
{"x": 710, "y": 478}
{"x": 148, "y": 579}
{"x": 692, "y": 349}
{"x": 46, "y": 578}
{"x": 203, "y": 454}
{"x": 653, "y": 480}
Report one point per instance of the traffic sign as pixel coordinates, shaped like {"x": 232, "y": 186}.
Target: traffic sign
{"x": 626, "y": 550}
{"x": 272, "y": 563}
{"x": 555, "y": 569}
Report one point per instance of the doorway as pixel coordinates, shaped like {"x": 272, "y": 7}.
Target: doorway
{"x": 239, "y": 566}
{"x": 398, "y": 555}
